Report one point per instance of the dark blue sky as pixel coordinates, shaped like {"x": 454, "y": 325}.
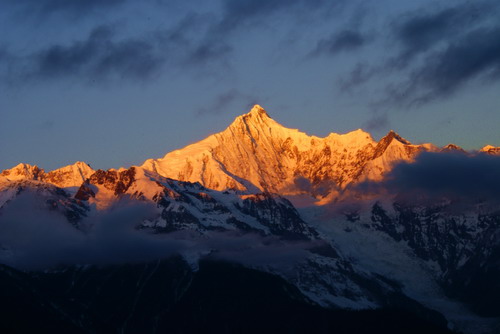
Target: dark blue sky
{"x": 114, "y": 82}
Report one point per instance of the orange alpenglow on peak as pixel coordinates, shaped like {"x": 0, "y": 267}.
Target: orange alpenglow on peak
{"x": 256, "y": 112}
{"x": 257, "y": 153}
{"x": 489, "y": 149}
{"x": 257, "y": 109}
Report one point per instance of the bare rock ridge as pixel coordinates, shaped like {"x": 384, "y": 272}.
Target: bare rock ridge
{"x": 190, "y": 206}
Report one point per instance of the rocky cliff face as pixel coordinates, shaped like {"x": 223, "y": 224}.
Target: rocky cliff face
{"x": 183, "y": 205}
{"x": 460, "y": 246}
{"x": 438, "y": 233}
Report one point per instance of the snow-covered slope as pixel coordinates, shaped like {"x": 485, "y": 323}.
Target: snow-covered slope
{"x": 452, "y": 148}
{"x": 43, "y": 197}
{"x": 489, "y": 149}
{"x": 70, "y": 176}
{"x": 21, "y": 171}
{"x": 183, "y": 205}
{"x": 256, "y": 153}
{"x": 436, "y": 254}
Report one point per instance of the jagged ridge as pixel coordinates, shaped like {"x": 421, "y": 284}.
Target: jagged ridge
{"x": 257, "y": 153}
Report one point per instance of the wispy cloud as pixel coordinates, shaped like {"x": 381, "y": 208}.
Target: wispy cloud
{"x": 200, "y": 42}
{"x": 104, "y": 55}
{"x": 238, "y": 13}
{"x": 378, "y": 122}
{"x": 225, "y": 100}
{"x": 445, "y": 71}
{"x": 434, "y": 53}
{"x": 417, "y": 32}
{"x": 74, "y": 9}
{"x": 344, "y": 41}
{"x": 99, "y": 56}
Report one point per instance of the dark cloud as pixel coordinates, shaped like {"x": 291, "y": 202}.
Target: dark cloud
{"x": 201, "y": 43}
{"x": 446, "y": 71}
{"x": 442, "y": 175}
{"x": 378, "y": 122}
{"x": 99, "y": 56}
{"x": 49, "y": 7}
{"x": 238, "y": 13}
{"x": 32, "y": 237}
{"x": 435, "y": 54}
{"x": 103, "y": 55}
{"x": 346, "y": 40}
{"x": 360, "y": 74}
{"x": 420, "y": 31}
{"x": 224, "y": 101}
{"x": 207, "y": 51}
{"x": 240, "y": 16}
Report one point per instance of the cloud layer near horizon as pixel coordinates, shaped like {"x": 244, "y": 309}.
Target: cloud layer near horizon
{"x": 34, "y": 238}
{"x": 455, "y": 176}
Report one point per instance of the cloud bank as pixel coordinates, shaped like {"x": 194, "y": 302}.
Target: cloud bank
{"x": 33, "y": 238}
{"x": 455, "y": 176}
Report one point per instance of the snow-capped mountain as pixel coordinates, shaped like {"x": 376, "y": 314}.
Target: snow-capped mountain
{"x": 64, "y": 177}
{"x": 452, "y": 148}
{"x": 228, "y": 197}
{"x": 183, "y": 205}
{"x": 489, "y": 149}
{"x": 46, "y": 197}
{"x": 255, "y": 153}
{"x": 444, "y": 258}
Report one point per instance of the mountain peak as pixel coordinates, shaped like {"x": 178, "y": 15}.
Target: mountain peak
{"x": 256, "y": 153}
{"x": 394, "y": 135}
{"x": 385, "y": 141}
{"x": 452, "y": 148}
{"x": 256, "y": 113}
{"x": 257, "y": 110}
{"x": 23, "y": 171}
{"x": 489, "y": 149}
{"x": 256, "y": 118}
